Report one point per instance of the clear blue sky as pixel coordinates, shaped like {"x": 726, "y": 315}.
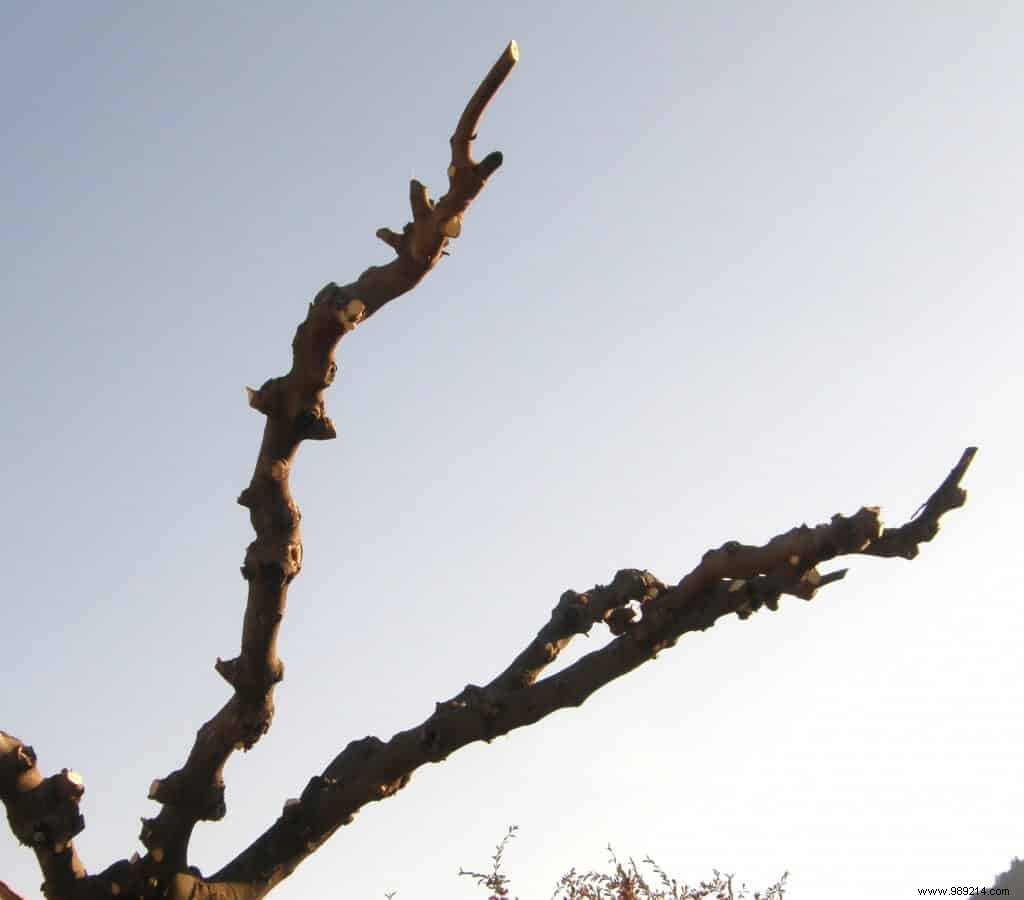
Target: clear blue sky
{"x": 746, "y": 265}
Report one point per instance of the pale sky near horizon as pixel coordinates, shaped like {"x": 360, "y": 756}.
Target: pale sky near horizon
{"x": 746, "y": 265}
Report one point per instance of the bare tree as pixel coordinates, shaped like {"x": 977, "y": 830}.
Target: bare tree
{"x": 644, "y": 615}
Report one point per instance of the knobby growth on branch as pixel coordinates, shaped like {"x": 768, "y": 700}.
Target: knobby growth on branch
{"x": 643, "y": 615}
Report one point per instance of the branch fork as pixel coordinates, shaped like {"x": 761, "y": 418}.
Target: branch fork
{"x": 643, "y": 615}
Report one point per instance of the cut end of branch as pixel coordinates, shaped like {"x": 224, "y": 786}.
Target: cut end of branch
{"x": 490, "y": 164}
{"x": 419, "y": 200}
{"x": 453, "y": 227}
{"x": 71, "y": 785}
{"x": 228, "y": 670}
{"x": 905, "y": 541}
{"x": 391, "y": 238}
{"x": 352, "y": 314}
{"x": 512, "y": 51}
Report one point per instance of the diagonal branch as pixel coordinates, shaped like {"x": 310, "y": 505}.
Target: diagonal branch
{"x": 924, "y": 524}
{"x": 786, "y": 557}
{"x": 645, "y": 615}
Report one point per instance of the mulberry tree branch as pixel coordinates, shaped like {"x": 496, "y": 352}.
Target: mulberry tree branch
{"x": 43, "y": 812}
{"x": 645, "y": 616}
{"x": 294, "y": 408}
{"x": 422, "y": 241}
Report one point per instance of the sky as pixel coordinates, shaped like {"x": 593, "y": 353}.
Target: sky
{"x": 746, "y": 265}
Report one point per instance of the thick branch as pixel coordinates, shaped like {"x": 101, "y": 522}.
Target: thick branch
{"x": 43, "y": 814}
{"x": 646, "y": 615}
{"x": 294, "y": 407}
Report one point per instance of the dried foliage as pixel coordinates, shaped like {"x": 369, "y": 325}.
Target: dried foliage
{"x": 624, "y": 881}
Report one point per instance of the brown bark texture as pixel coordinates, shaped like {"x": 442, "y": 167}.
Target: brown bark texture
{"x": 643, "y": 615}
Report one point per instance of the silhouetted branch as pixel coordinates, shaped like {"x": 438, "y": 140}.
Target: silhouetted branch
{"x": 646, "y": 616}
{"x": 924, "y": 524}
{"x": 294, "y": 408}
{"x": 422, "y": 241}
{"x": 42, "y": 812}
{"x": 643, "y": 615}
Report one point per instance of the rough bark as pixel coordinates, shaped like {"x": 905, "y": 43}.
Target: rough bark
{"x": 42, "y": 812}
{"x": 644, "y": 615}
{"x": 647, "y": 617}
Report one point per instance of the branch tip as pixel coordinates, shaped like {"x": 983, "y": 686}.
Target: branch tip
{"x": 419, "y": 200}
{"x": 490, "y": 164}
{"x": 393, "y": 240}
{"x": 837, "y": 575}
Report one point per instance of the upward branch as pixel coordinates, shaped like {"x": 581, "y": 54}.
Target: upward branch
{"x": 294, "y": 407}
{"x": 422, "y": 241}
{"x": 43, "y": 814}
